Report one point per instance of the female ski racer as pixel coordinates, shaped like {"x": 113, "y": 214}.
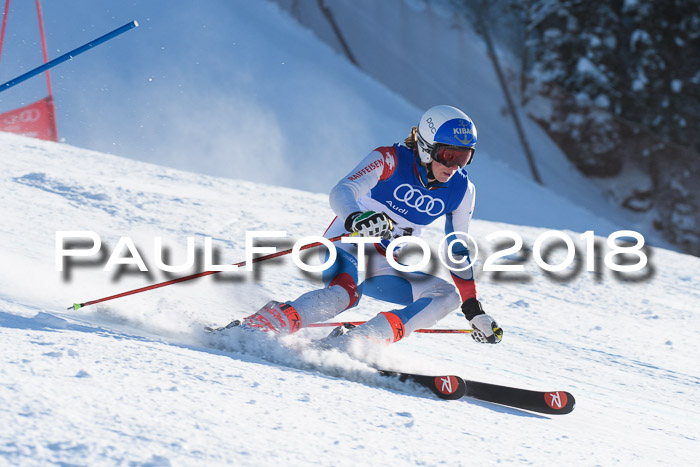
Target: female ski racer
{"x": 396, "y": 191}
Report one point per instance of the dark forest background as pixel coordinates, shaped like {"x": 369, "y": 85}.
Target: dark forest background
{"x": 617, "y": 85}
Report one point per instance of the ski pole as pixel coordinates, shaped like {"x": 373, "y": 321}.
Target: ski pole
{"x": 77, "y": 306}
{"x": 426, "y": 331}
{"x": 68, "y": 56}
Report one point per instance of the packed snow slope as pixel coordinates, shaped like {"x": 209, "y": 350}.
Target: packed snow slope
{"x": 135, "y": 381}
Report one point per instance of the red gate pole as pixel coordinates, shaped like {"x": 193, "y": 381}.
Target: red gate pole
{"x": 4, "y": 24}
{"x": 43, "y": 46}
{"x": 51, "y": 108}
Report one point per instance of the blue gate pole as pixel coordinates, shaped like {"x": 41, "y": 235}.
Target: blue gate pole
{"x": 68, "y": 56}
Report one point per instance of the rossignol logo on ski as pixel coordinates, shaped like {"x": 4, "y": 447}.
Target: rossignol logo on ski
{"x": 446, "y": 384}
{"x": 556, "y": 400}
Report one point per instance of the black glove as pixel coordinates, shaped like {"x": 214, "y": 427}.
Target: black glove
{"x": 486, "y": 330}
{"x": 369, "y": 224}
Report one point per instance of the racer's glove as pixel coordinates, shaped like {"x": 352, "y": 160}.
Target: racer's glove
{"x": 369, "y": 224}
{"x": 486, "y": 330}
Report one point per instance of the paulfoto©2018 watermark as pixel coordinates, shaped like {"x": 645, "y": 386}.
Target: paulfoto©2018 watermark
{"x": 125, "y": 252}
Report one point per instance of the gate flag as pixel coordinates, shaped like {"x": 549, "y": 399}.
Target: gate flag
{"x": 37, "y": 120}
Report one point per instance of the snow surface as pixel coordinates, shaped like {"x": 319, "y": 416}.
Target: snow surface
{"x": 135, "y": 381}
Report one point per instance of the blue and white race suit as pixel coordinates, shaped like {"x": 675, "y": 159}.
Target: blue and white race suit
{"x": 389, "y": 180}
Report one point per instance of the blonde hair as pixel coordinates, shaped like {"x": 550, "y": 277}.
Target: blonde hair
{"x": 411, "y": 140}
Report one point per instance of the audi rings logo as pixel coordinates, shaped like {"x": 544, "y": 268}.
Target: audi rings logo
{"x": 26, "y": 116}
{"x": 417, "y": 200}
{"x": 31, "y": 115}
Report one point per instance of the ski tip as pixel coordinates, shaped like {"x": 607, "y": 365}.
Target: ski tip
{"x": 449, "y": 387}
{"x": 559, "y": 402}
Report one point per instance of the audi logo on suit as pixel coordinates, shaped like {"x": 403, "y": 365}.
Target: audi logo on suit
{"x": 413, "y": 198}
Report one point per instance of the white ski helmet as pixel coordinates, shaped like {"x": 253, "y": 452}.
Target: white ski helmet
{"x": 444, "y": 125}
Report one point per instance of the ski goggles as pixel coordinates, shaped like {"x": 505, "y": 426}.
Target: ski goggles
{"x": 450, "y": 156}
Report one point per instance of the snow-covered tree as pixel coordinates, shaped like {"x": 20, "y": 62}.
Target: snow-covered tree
{"x": 624, "y": 80}
{"x": 638, "y": 60}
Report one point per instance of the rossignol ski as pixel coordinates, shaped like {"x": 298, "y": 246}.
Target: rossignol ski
{"x": 452, "y": 387}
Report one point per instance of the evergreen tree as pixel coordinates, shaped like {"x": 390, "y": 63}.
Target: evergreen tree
{"x": 638, "y": 60}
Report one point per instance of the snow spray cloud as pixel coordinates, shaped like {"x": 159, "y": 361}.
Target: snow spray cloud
{"x": 454, "y": 252}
